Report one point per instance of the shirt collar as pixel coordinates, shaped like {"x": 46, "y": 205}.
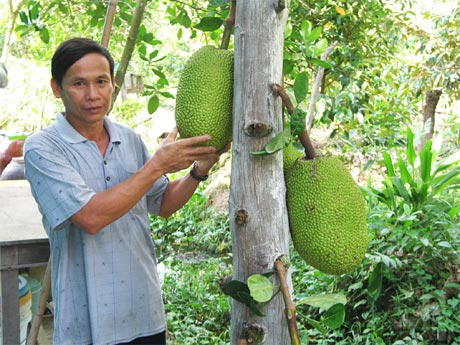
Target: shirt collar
{"x": 71, "y": 135}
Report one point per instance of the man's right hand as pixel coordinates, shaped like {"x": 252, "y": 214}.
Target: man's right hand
{"x": 174, "y": 155}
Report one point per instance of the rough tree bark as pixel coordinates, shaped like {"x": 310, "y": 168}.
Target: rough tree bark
{"x": 258, "y": 215}
{"x": 429, "y": 113}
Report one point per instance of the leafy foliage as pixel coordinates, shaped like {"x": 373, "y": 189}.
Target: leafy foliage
{"x": 196, "y": 311}
{"x": 196, "y": 226}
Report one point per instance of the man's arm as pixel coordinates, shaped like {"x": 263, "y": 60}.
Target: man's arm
{"x": 107, "y": 206}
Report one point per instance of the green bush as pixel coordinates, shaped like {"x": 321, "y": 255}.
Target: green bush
{"x": 196, "y": 227}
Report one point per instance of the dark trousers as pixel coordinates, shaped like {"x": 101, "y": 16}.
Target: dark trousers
{"x": 157, "y": 339}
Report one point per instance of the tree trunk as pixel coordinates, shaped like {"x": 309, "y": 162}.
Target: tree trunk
{"x": 258, "y": 214}
{"x": 129, "y": 46}
{"x": 429, "y": 112}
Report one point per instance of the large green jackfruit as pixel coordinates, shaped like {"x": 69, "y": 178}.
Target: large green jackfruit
{"x": 327, "y": 214}
{"x": 204, "y": 96}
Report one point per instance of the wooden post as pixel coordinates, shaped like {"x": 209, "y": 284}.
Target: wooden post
{"x": 257, "y": 183}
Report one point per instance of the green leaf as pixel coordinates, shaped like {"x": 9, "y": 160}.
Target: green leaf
{"x": 184, "y": 20}
{"x": 278, "y": 142}
{"x": 320, "y": 47}
{"x": 314, "y": 34}
{"x": 241, "y": 293}
{"x": 153, "y": 104}
{"x": 401, "y": 189}
{"x": 259, "y": 153}
{"x": 405, "y": 175}
{"x": 45, "y": 35}
{"x": 334, "y": 316}
{"x": 255, "y": 309}
{"x": 237, "y": 290}
{"x": 323, "y": 301}
{"x": 321, "y": 63}
{"x": 288, "y": 66}
{"x": 444, "y": 244}
{"x": 148, "y": 37}
{"x": 34, "y": 12}
{"x": 218, "y": 3}
{"x": 305, "y": 29}
{"x": 375, "y": 281}
{"x": 426, "y": 156}
{"x": 298, "y": 121}
{"x": 318, "y": 325}
{"x": 17, "y": 137}
{"x": 410, "y": 147}
{"x": 261, "y": 287}
{"x": 209, "y": 24}
{"x": 158, "y": 73}
{"x": 301, "y": 86}
{"x": 24, "y": 18}
{"x": 388, "y": 164}
{"x": 445, "y": 180}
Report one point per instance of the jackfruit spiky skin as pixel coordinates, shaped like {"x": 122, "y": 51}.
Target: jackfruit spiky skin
{"x": 327, "y": 215}
{"x": 204, "y": 96}
{"x": 290, "y": 155}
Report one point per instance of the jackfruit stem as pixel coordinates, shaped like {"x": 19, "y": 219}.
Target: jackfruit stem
{"x": 280, "y": 91}
{"x": 229, "y": 22}
{"x": 304, "y": 138}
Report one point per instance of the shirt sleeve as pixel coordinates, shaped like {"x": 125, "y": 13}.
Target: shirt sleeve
{"x": 57, "y": 187}
{"x": 155, "y": 194}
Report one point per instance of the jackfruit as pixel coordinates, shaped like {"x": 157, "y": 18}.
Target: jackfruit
{"x": 290, "y": 155}
{"x": 204, "y": 98}
{"x": 327, "y": 214}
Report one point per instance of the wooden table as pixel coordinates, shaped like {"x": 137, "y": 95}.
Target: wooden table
{"x": 23, "y": 243}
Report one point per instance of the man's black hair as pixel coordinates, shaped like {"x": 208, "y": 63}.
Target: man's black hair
{"x": 71, "y": 51}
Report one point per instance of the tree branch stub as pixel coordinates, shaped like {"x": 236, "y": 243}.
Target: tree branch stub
{"x": 258, "y": 129}
{"x": 280, "y": 5}
{"x": 242, "y": 217}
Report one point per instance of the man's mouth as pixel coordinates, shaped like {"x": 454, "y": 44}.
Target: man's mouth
{"x": 93, "y": 109}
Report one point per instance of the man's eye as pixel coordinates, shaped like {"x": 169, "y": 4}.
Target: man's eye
{"x": 78, "y": 83}
{"x": 102, "y": 81}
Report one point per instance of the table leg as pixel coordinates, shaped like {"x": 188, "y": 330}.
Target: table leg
{"x": 10, "y": 296}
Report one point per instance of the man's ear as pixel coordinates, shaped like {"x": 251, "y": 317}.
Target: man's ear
{"x": 56, "y": 89}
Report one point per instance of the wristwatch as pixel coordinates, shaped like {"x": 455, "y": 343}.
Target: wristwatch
{"x": 195, "y": 175}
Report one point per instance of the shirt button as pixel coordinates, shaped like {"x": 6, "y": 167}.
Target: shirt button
{"x": 105, "y": 162}
{"x": 107, "y": 178}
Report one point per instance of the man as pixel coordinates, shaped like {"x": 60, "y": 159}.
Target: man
{"x": 95, "y": 183}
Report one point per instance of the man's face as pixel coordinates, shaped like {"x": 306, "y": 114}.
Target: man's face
{"x": 86, "y": 90}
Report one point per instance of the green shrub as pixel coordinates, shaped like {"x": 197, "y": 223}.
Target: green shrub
{"x": 195, "y": 227}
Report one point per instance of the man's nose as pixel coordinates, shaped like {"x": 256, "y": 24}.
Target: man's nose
{"x": 92, "y": 91}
